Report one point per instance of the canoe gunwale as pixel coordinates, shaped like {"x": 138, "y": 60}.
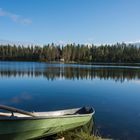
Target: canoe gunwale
{"x": 38, "y": 118}
{"x": 10, "y": 118}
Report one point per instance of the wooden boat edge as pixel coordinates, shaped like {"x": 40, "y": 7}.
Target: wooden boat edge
{"x": 49, "y": 116}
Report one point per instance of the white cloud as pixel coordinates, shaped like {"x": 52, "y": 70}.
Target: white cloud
{"x": 15, "y": 17}
{"x": 61, "y": 42}
{"x": 132, "y": 42}
{"x": 26, "y": 21}
{"x": 2, "y": 13}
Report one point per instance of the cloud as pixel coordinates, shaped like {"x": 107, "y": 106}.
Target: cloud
{"x": 2, "y": 13}
{"x": 132, "y": 42}
{"x": 61, "y": 42}
{"x": 15, "y": 17}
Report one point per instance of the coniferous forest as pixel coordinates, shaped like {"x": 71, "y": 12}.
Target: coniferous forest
{"x": 117, "y": 53}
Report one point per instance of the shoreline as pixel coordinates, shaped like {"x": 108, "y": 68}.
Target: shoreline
{"x": 80, "y": 63}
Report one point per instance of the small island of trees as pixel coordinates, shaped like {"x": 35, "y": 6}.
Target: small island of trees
{"x": 117, "y": 53}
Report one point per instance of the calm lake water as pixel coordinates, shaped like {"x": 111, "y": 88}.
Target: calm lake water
{"x": 114, "y": 92}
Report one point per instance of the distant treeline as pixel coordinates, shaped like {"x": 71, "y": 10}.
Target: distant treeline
{"x": 117, "y": 53}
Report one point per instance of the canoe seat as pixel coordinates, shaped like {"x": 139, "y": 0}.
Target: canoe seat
{"x": 84, "y": 110}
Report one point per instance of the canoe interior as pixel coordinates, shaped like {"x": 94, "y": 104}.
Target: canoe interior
{"x": 50, "y": 114}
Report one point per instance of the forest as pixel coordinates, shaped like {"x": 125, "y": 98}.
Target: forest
{"x": 72, "y": 53}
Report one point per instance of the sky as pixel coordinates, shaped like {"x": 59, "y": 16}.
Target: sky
{"x": 69, "y": 21}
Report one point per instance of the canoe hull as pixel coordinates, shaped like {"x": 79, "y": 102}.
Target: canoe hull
{"x": 35, "y": 128}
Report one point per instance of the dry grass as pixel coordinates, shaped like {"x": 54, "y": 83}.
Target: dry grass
{"x": 78, "y": 136}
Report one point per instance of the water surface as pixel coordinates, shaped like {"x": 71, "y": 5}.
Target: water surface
{"x": 114, "y": 92}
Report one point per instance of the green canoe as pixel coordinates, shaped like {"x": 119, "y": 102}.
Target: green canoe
{"x": 22, "y": 125}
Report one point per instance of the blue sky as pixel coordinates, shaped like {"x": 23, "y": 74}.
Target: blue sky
{"x": 68, "y": 21}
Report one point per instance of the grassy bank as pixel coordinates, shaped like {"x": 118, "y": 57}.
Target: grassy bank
{"x": 76, "y": 135}
{"x": 80, "y": 63}
{"x": 101, "y": 63}
{"x": 80, "y": 136}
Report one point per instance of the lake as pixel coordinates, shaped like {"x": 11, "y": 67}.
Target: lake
{"x": 114, "y": 92}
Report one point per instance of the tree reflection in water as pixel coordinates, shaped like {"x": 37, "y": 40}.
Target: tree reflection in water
{"x": 72, "y": 73}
